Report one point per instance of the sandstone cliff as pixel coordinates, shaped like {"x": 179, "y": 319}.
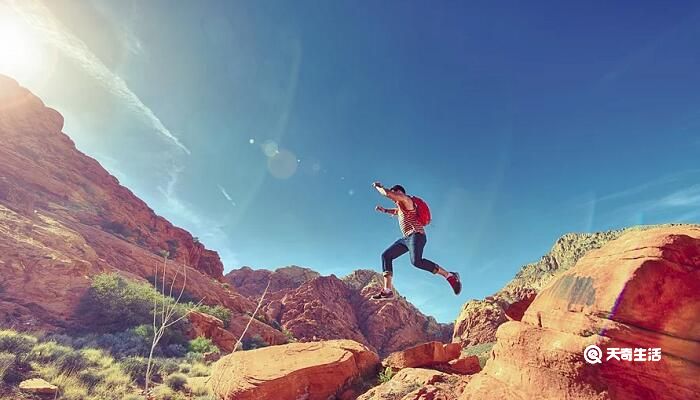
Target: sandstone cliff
{"x": 63, "y": 219}
{"x": 479, "y": 319}
{"x": 641, "y": 290}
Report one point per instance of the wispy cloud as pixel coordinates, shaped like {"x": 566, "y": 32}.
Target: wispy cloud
{"x": 40, "y": 18}
{"x": 687, "y": 197}
{"x": 226, "y": 195}
{"x": 207, "y": 230}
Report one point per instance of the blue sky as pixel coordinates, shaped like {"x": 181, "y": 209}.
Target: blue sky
{"x": 259, "y": 126}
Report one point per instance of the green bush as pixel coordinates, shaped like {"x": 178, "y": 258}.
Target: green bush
{"x": 48, "y": 352}
{"x": 136, "y": 367}
{"x": 199, "y": 369}
{"x": 72, "y": 362}
{"x": 192, "y": 358}
{"x": 176, "y": 381}
{"x": 7, "y": 361}
{"x": 289, "y": 335}
{"x": 165, "y": 393}
{"x": 185, "y": 368}
{"x": 114, "y": 304}
{"x": 16, "y": 343}
{"x": 97, "y": 357}
{"x": 90, "y": 377}
{"x": 13, "y": 368}
{"x": 386, "y": 375}
{"x": 202, "y": 345}
{"x": 168, "y": 366}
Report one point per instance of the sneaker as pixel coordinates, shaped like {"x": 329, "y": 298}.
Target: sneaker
{"x": 454, "y": 281}
{"x": 383, "y": 295}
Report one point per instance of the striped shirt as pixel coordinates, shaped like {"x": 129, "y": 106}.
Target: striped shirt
{"x": 408, "y": 221}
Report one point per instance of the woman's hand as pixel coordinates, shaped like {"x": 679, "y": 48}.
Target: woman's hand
{"x": 380, "y": 209}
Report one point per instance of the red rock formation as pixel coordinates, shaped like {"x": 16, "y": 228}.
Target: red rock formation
{"x": 641, "y": 290}
{"x": 299, "y": 302}
{"x": 479, "y": 319}
{"x": 63, "y": 219}
{"x": 424, "y": 355}
{"x": 205, "y": 325}
{"x": 465, "y": 366}
{"x": 312, "y": 371}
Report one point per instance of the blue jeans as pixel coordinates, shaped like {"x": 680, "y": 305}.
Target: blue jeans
{"x": 414, "y": 244}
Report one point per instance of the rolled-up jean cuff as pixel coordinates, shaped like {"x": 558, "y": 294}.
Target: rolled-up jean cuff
{"x": 388, "y": 273}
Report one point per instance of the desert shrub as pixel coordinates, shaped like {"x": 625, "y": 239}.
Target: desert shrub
{"x": 194, "y": 357}
{"x": 115, "y": 380}
{"x": 386, "y": 375}
{"x": 123, "y": 344}
{"x": 60, "y": 338}
{"x": 254, "y": 342}
{"x": 7, "y": 361}
{"x": 13, "y": 368}
{"x": 16, "y": 343}
{"x": 202, "y": 345}
{"x": 168, "y": 366}
{"x": 185, "y": 368}
{"x": 70, "y": 387}
{"x": 114, "y": 304}
{"x": 289, "y": 335}
{"x": 165, "y": 393}
{"x": 97, "y": 357}
{"x": 48, "y": 352}
{"x": 90, "y": 377}
{"x": 199, "y": 369}
{"x": 135, "y": 367}
{"x": 174, "y": 350}
{"x": 176, "y": 381}
{"x": 72, "y": 362}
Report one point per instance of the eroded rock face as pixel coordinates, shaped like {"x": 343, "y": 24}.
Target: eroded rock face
{"x": 479, "y": 319}
{"x": 204, "y": 325}
{"x": 312, "y": 371}
{"x": 641, "y": 290}
{"x": 64, "y": 219}
{"x": 299, "y": 302}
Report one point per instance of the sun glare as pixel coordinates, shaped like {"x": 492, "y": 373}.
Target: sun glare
{"x": 21, "y": 52}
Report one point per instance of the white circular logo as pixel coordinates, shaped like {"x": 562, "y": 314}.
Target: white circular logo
{"x": 593, "y": 354}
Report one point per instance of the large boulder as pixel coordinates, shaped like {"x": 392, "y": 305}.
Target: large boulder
{"x": 423, "y": 355}
{"x": 38, "y": 387}
{"x": 312, "y": 371}
{"x": 479, "y": 319}
{"x": 641, "y": 290}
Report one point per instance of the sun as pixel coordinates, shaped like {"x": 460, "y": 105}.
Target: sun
{"x": 22, "y": 54}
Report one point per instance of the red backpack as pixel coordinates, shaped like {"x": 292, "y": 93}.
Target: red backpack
{"x": 423, "y": 210}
